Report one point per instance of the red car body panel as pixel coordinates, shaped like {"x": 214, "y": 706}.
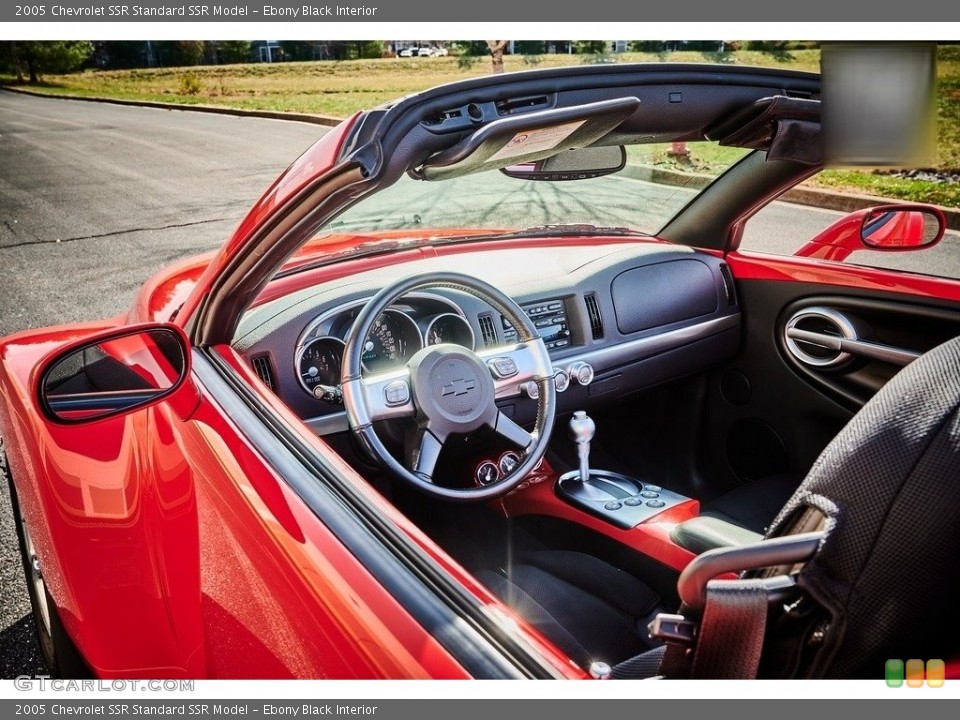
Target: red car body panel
{"x": 758, "y": 266}
{"x": 161, "y": 297}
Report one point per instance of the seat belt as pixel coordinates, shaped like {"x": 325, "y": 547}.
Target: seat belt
{"x": 732, "y": 630}
{"x": 729, "y": 638}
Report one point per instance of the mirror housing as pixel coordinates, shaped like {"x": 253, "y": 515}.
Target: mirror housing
{"x": 113, "y": 373}
{"x": 576, "y": 164}
{"x": 902, "y": 227}
{"x": 895, "y": 227}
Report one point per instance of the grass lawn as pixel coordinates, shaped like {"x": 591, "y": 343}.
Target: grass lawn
{"x": 339, "y": 88}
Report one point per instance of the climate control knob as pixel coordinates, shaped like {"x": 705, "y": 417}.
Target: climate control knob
{"x": 582, "y": 372}
{"x": 532, "y": 389}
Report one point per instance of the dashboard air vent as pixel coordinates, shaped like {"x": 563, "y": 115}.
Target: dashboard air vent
{"x": 728, "y": 287}
{"x": 593, "y": 312}
{"x": 264, "y": 370}
{"x": 813, "y": 336}
{"x": 487, "y": 331}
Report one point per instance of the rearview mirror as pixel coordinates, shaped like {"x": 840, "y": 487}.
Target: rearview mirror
{"x": 577, "y": 164}
{"x": 902, "y": 227}
{"x": 114, "y": 374}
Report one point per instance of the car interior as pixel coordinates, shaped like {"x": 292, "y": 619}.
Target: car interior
{"x": 684, "y": 397}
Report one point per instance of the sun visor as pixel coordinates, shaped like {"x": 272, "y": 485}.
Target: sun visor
{"x": 528, "y": 137}
{"x": 787, "y": 128}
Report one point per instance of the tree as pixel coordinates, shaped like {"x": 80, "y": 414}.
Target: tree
{"x": 124, "y": 54}
{"x": 44, "y": 57}
{"x": 179, "y": 53}
{"x": 470, "y": 47}
{"x": 233, "y": 51}
{"x": 496, "y": 53}
{"x": 530, "y": 47}
{"x": 590, "y": 46}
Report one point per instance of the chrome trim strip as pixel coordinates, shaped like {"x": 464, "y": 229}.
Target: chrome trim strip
{"x": 328, "y": 424}
{"x": 863, "y": 348}
{"x": 634, "y": 350}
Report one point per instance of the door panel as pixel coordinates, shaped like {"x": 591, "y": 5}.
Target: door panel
{"x": 772, "y": 409}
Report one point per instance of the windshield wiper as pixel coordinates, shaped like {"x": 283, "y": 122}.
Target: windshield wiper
{"x": 378, "y": 247}
{"x": 398, "y": 222}
{"x": 555, "y": 230}
{"x": 566, "y": 229}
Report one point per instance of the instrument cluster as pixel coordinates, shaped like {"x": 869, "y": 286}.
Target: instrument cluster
{"x": 396, "y": 336}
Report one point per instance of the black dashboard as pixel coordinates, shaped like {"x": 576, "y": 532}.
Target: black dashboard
{"x": 615, "y": 318}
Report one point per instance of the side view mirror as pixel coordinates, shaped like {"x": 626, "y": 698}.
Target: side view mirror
{"x": 893, "y": 227}
{"x": 117, "y": 372}
{"x": 897, "y": 227}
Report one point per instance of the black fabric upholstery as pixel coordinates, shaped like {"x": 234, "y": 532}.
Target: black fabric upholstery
{"x": 588, "y": 608}
{"x": 643, "y": 666}
{"x": 754, "y": 505}
{"x": 889, "y": 486}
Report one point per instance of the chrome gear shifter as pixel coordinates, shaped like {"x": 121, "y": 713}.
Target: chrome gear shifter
{"x": 582, "y": 429}
{"x": 616, "y": 498}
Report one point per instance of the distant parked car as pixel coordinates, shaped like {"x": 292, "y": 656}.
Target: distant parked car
{"x": 409, "y": 52}
{"x": 426, "y": 52}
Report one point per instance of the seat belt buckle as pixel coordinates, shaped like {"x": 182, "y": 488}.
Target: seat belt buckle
{"x": 673, "y": 629}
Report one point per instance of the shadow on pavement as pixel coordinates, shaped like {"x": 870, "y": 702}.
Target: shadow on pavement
{"x": 19, "y": 652}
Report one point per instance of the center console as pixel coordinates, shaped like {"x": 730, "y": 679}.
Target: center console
{"x": 618, "y": 499}
{"x": 639, "y": 514}
{"x": 636, "y": 513}
{"x": 624, "y": 501}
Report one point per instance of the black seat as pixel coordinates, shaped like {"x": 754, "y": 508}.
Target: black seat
{"x": 754, "y": 505}
{"x": 883, "y": 584}
{"x": 588, "y": 608}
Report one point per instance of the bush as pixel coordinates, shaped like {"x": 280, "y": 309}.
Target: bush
{"x": 465, "y": 62}
{"x": 189, "y": 84}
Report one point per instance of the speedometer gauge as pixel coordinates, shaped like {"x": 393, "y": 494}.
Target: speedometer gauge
{"x": 449, "y": 328}
{"x": 393, "y": 340}
{"x": 319, "y": 363}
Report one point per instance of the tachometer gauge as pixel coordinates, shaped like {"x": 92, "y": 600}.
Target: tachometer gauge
{"x": 319, "y": 363}
{"x": 449, "y": 328}
{"x": 393, "y": 340}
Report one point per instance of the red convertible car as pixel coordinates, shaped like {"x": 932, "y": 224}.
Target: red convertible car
{"x": 472, "y": 392}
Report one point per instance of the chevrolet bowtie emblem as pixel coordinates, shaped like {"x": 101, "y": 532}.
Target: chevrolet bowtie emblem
{"x": 458, "y": 387}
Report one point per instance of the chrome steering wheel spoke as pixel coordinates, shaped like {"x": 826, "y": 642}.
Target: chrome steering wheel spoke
{"x": 381, "y": 397}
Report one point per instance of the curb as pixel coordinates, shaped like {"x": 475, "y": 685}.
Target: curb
{"x": 213, "y": 109}
{"x": 815, "y": 197}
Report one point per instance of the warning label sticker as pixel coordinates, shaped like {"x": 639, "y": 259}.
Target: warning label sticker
{"x": 531, "y": 141}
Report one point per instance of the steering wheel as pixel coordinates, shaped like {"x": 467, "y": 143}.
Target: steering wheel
{"x": 449, "y": 389}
